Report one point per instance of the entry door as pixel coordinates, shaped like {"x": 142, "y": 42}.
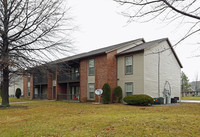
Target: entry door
{"x": 75, "y": 93}
{"x": 54, "y": 92}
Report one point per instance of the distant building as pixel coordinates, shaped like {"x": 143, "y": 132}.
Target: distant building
{"x": 195, "y": 86}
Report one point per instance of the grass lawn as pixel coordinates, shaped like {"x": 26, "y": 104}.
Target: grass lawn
{"x": 14, "y": 99}
{"x": 55, "y": 118}
{"x": 190, "y": 98}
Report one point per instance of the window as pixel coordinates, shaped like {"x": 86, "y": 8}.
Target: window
{"x": 129, "y": 88}
{"x": 129, "y": 65}
{"x": 29, "y": 77}
{"x": 91, "y": 67}
{"x": 29, "y": 91}
{"x": 91, "y": 91}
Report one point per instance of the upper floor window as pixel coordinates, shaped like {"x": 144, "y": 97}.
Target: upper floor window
{"x": 129, "y": 65}
{"x": 91, "y": 67}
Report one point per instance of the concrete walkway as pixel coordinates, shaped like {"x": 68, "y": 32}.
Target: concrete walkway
{"x": 190, "y": 101}
{"x": 29, "y": 101}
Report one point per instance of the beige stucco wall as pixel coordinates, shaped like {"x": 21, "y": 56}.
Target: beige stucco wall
{"x": 138, "y": 73}
{"x": 169, "y": 70}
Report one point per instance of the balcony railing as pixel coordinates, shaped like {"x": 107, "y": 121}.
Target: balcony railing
{"x": 72, "y": 77}
{"x": 74, "y": 97}
{"x": 39, "y": 80}
{"x": 40, "y": 96}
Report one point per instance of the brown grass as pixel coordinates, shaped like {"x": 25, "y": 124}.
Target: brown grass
{"x": 50, "y": 118}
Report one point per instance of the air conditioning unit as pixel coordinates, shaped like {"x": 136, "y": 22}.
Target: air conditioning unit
{"x": 159, "y": 100}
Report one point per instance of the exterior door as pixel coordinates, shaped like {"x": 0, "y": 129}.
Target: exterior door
{"x": 74, "y": 93}
{"x": 54, "y": 92}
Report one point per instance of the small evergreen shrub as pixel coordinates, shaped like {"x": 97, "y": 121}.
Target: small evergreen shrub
{"x": 141, "y": 100}
{"x": 106, "y": 93}
{"x": 118, "y": 94}
{"x": 18, "y": 93}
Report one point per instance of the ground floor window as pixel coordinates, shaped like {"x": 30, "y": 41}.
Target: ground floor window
{"x": 129, "y": 88}
{"x": 29, "y": 91}
{"x": 91, "y": 89}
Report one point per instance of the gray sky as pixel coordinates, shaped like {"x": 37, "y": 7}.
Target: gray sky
{"x": 101, "y": 25}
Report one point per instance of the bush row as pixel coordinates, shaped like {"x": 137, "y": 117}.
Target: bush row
{"x": 142, "y": 99}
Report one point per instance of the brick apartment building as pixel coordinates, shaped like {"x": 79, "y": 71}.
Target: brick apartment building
{"x": 133, "y": 65}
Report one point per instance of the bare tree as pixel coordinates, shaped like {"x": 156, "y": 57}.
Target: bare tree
{"x": 196, "y": 83}
{"x": 167, "y": 10}
{"x": 31, "y": 32}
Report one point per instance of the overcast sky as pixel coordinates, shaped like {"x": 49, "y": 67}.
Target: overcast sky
{"x": 101, "y": 24}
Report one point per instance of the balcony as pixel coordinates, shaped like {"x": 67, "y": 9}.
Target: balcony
{"x": 72, "y": 97}
{"x": 40, "y": 80}
{"x": 71, "y": 77}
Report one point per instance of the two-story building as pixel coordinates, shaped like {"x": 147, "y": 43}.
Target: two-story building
{"x": 139, "y": 67}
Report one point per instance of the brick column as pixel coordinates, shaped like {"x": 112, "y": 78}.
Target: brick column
{"x": 112, "y": 71}
{"x": 25, "y": 86}
{"x": 50, "y": 86}
{"x": 31, "y": 87}
{"x": 100, "y": 73}
{"x": 83, "y": 80}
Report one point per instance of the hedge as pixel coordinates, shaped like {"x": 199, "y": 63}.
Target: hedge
{"x": 106, "y": 93}
{"x": 141, "y": 100}
{"x": 118, "y": 94}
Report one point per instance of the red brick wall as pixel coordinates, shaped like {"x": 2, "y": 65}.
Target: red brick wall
{"x": 25, "y": 86}
{"x": 31, "y": 87}
{"x": 100, "y": 72}
{"x": 105, "y": 72}
{"x": 83, "y": 80}
{"x": 112, "y": 70}
{"x": 50, "y": 86}
{"x": 56, "y": 85}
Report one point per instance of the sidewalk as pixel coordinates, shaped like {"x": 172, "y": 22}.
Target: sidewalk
{"x": 190, "y": 101}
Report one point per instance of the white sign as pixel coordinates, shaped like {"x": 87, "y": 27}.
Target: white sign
{"x": 98, "y": 92}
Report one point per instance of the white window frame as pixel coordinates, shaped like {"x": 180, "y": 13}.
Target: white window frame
{"x": 129, "y": 73}
{"x": 90, "y": 91}
{"x": 89, "y": 67}
{"x": 128, "y": 83}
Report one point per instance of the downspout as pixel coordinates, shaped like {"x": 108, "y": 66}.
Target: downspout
{"x": 159, "y": 74}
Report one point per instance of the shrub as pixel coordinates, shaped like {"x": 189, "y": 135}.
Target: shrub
{"x": 118, "y": 94}
{"x": 18, "y": 93}
{"x": 106, "y": 93}
{"x": 141, "y": 100}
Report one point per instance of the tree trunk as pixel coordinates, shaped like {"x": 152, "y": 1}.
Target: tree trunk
{"x": 5, "y": 86}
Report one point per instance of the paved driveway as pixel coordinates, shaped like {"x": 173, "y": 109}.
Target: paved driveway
{"x": 190, "y": 101}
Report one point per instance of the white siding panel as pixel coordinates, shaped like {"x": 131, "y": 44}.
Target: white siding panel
{"x": 169, "y": 70}
{"x": 129, "y": 46}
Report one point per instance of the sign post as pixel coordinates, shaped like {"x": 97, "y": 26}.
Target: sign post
{"x": 99, "y": 92}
